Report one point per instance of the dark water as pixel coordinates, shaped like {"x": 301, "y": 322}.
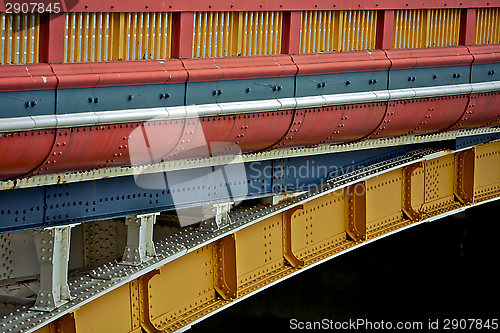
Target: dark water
{"x": 443, "y": 269}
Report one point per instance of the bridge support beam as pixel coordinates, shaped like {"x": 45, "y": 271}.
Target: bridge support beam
{"x": 290, "y": 38}
{"x": 355, "y": 198}
{"x": 52, "y": 249}
{"x": 200, "y": 273}
{"x": 52, "y": 28}
{"x": 464, "y": 176}
{"x": 385, "y": 27}
{"x": 140, "y": 246}
{"x": 182, "y": 34}
{"x": 467, "y": 26}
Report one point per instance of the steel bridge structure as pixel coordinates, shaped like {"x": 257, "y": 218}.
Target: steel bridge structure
{"x": 168, "y": 159}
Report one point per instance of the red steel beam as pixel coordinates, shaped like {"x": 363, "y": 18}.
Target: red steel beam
{"x": 385, "y": 27}
{"x": 467, "y": 26}
{"x": 257, "y": 5}
{"x": 52, "y": 35}
{"x": 290, "y": 41}
{"x": 182, "y": 35}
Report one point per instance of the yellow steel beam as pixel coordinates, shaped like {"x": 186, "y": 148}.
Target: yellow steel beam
{"x": 306, "y": 231}
{"x": 356, "y": 211}
{"x": 464, "y": 176}
{"x": 409, "y": 188}
{"x": 225, "y": 279}
{"x": 287, "y": 236}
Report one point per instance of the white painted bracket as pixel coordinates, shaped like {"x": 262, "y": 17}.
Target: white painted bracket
{"x": 52, "y": 249}
{"x": 220, "y": 212}
{"x": 140, "y": 246}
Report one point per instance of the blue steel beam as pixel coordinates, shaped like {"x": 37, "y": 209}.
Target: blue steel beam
{"x": 22, "y": 209}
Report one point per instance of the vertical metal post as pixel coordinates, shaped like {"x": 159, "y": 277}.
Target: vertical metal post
{"x": 140, "y": 246}
{"x": 52, "y": 36}
{"x": 225, "y": 281}
{"x": 290, "y": 37}
{"x": 464, "y": 176}
{"x": 467, "y": 26}
{"x": 407, "y": 207}
{"x": 52, "y": 249}
{"x": 385, "y": 28}
{"x": 355, "y": 197}
{"x": 182, "y": 34}
{"x": 287, "y": 238}
{"x": 220, "y": 212}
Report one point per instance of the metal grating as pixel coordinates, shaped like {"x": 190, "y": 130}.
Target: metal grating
{"x": 426, "y": 28}
{"x": 117, "y": 36}
{"x": 327, "y": 31}
{"x": 19, "y": 35}
{"x": 360, "y": 30}
{"x": 319, "y": 31}
{"x": 487, "y": 26}
{"x": 222, "y": 34}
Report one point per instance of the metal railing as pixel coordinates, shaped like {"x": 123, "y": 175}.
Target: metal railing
{"x": 222, "y": 34}
{"x": 487, "y": 26}
{"x": 117, "y": 36}
{"x": 426, "y": 28}
{"x": 328, "y": 31}
{"x": 105, "y": 36}
{"x": 19, "y": 38}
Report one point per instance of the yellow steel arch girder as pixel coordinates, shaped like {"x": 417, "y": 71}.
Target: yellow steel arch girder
{"x": 187, "y": 289}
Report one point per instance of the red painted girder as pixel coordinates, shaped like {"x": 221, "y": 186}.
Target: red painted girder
{"x": 255, "y": 5}
{"x": 256, "y": 67}
{"x": 192, "y": 142}
{"x": 154, "y": 141}
{"x": 83, "y": 148}
{"x": 137, "y": 72}
{"x": 119, "y": 73}
{"x": 93, "y": 147}
{"x": 27, "y": 77}
{"x": 339, "y": 62}
{"x": 429, "y": 57}
{"x": 251, "y": 132}
{"x": 203, "y": 69}
{"x": 485, "y": 54}
{"x": 482, "y": 110}
{"x": 333, "y": 124}
{"x": 196, "y": 137}
{"x": 420, "y": 116}
{"x": 75, "y": 75}
{"x": 23, "y": 152}
{"x": 233, "y": 68}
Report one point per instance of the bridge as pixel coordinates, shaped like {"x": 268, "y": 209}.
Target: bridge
{"x": 171, "y": 159}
